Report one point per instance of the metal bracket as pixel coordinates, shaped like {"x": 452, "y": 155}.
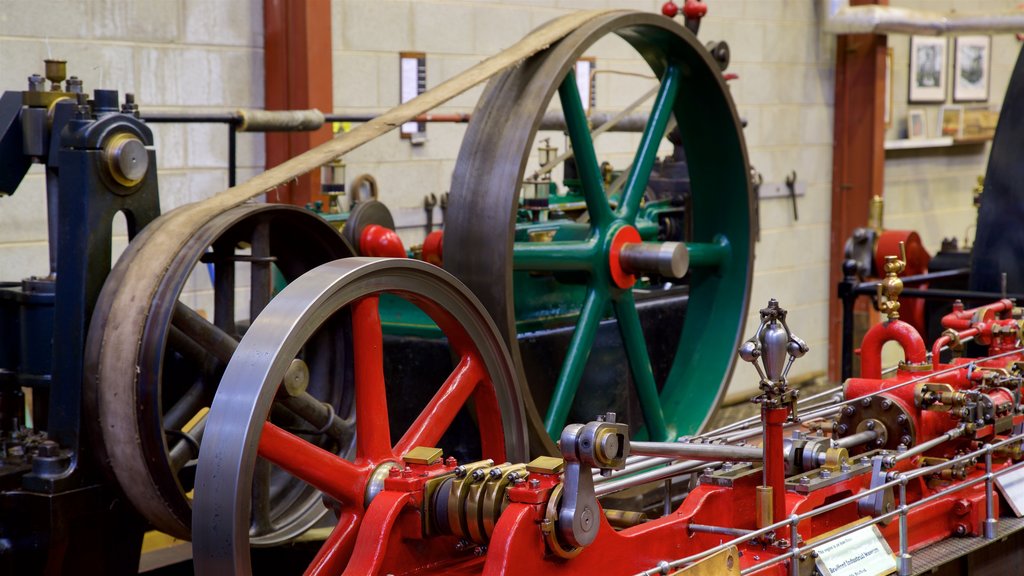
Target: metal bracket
{"x": 602, "y": 444}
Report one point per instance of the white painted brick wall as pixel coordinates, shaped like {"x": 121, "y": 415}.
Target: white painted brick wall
{"x": 177, "y": 54}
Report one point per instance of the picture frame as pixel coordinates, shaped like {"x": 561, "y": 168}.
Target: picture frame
{"x": 972, "y": 66}
{"x": 915, "y": 125}
{"x": 951, "y": 121}
{"x": 927, "y": 75}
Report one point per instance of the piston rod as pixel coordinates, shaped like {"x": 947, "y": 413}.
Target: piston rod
{"x": 856, "y": 439}
{"x": 655, "y": 475}
{"x": 704, "y": 452}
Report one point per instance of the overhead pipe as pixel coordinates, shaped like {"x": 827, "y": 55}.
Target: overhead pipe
{"x": 841, "y": 18}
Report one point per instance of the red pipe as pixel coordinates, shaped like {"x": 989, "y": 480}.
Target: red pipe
{"x": 378, "y": 241}
{"x": 893, "y": 331}
{"x": 772, "y": 420}
{"x": 960, "y": 319}
{"x": 944, "y": 340}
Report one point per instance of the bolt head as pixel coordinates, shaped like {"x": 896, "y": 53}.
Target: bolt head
{"x": 534, "y": 483}
{"x": 849, "y": 410}
{"x": 870, "y": 424}
{"x": 886, "y": 404}
{"x": 866, "y": 402}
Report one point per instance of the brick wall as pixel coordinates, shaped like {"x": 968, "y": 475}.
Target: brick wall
{"x": 176, "y": 54}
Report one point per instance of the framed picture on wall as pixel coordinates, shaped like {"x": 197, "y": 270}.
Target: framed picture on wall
{"x": 915, "y": 125}
{"x": 927, "y": 69}
{"x": 951, "y": 121}
{"x": 971, "y": 67}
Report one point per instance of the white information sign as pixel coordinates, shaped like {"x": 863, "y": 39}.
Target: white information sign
{"x": 861, "y": 553}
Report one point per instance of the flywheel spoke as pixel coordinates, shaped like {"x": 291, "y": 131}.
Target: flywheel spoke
{"x": 333, "y": 556}
{"x": 373, "y": 432}
{"x": 439, "y": 413}
{"x": 327, "y": 472}
{"x": 583, "y": 152}
{"x": 260, "y": 270}
{"x": 224, "y": 287}
{"x": 260, "y": 522}
{"x": 575, "y": 360}
{"x": 647, "y": 152}
{"x": 640, "y": 365}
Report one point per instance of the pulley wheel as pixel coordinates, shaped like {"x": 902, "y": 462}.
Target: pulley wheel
{"x": 146, "y": 396}
{"x": 338, "y": 302}
{"x": 484, "y": 200}
{"x": 366, "y": 213}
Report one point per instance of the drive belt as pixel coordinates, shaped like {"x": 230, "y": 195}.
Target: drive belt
{"x": 154, "y": 249}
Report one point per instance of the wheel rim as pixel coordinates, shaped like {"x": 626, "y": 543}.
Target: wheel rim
{"x": 484, "y": 198}
{"x": 237, "y": 421}
{"x": 139, "y": 419}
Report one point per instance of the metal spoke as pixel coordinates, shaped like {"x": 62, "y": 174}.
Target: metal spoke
{"x": 224, "y": 287}
{"x": 646, "y": 153}
{"x": 439, "y": 413}
{"x": 187, "y": 447}
{"x": 260, "y": 522}
{"x": 260, "y": 270}
{"x": 583, "y": 149}
{"x": 333, "y": 556}
{"x": 640, "y": 365}
{"x": 212, "y": 337}
{"x": 373, "y": 433}
{"x": 575, "y": 360}
{"x": 327, "y": 472}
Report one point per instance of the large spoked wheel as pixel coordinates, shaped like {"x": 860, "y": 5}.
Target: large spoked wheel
{"x": 339, "y": 302}
{"x": 484, "y": 200}
{"x": 146, "y": 396}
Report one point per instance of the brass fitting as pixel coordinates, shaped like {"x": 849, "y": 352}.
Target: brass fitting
{"x": 938, "y": 397}
{"x": 891, "y": 286}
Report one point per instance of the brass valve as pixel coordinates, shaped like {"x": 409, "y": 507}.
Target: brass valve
{"x": 891, "y": 286}
{"x": 938, "y": 397}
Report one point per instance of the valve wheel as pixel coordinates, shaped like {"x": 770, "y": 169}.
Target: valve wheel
{"x": 338, "y": 302}
{"x": 484, "y": 199}
{"x": 146, "y": 395}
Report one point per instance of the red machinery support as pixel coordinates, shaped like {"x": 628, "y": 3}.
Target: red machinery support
{"x": 772, "y": 420}
{"x": 297, "y": 76}
{"x": 858, "y": 158}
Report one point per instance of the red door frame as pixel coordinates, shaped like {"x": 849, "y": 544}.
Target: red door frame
{"x": 297, "y": 76}
{"x": 858, "y": 157}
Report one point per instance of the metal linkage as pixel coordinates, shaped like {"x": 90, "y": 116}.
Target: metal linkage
{"x": 602, "y": 444}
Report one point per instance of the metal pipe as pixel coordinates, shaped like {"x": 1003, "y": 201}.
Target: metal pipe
{"x": 841, "y": 18}
{"x": 870, "y": 288}
{"x": 655, "y": 475}
{"x": 705, "y": 452}
{"x": 926, "y": 446}
{"x": 555, "y": 120}
{"x": 856, "y": 439}
{"x": 232, "y": 156}
{"x": 718, "y": 530}
{"x": 642, "y": 463}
